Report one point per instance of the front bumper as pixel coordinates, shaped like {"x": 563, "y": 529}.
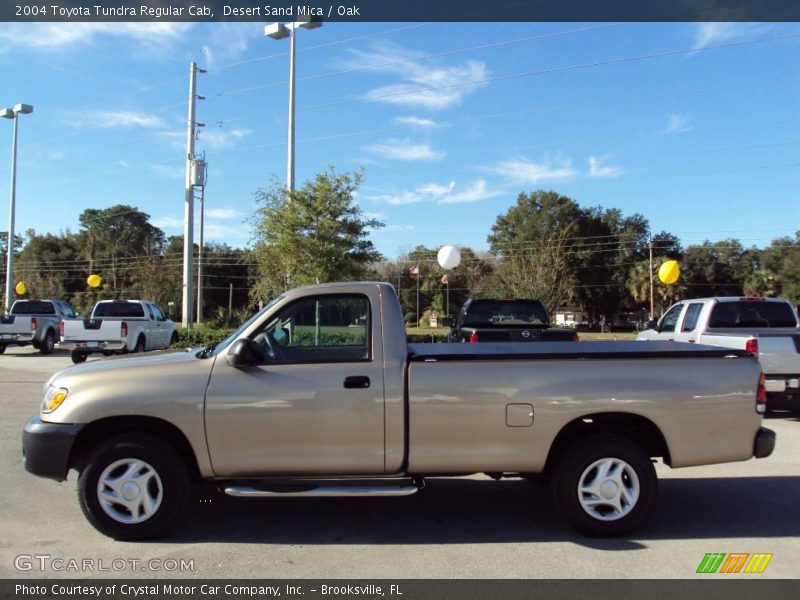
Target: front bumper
{"x": 764, "y": 443}
{"x": 92, "y": 346}
{"x": 46, "y": 447}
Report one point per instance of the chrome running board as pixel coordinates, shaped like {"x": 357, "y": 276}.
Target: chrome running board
{"x": 327, "y": 489}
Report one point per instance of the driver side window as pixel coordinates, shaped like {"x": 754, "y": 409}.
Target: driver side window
{"x": 670, "y": 319}
{"x": 325, "y": 328}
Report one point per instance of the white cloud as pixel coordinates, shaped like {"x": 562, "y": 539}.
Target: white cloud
{"x": 150, "y": 38}
{"x": 121, "y": 118}
{"x": 439, "y": 194}
{"x": 219, "y": 139}
{"x": 422, "y": 83}
{"x": 400, "y": 228}
{"x": 417, "y": 122}
{"x": 478, "y": 190}
{"x": 228, "y": 41}
{"x": 223, "y": 213}
{"x": 405, "y": 150}
{"x": 522, "y": 170}
{"x": 169, "y": 223}
{"x": 712, "y": 34}
{"x": 600, "y": 170}
{"x": 678, "y": 123}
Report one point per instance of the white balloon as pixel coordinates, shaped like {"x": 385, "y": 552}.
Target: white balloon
{"x": 449, "y": 257}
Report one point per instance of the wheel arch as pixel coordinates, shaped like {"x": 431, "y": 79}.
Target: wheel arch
{"x": 636, "y": 428}
{"x": 97, "y": 432}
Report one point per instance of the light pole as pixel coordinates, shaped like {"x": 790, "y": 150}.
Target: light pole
{"x": 278, "y": 31}
{"x": 12, "y": 113}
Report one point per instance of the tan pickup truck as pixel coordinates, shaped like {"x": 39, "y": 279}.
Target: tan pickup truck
{"x": 320, "y": 395}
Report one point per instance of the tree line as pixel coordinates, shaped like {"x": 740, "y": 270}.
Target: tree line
{"x": 545, "y": 246}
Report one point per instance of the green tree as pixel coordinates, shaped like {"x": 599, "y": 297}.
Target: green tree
{"x": 782, "y": 258}
{"x": 716, "y": 268}
{"x": 312, "y": 235}
{"x": 50, "y": 265}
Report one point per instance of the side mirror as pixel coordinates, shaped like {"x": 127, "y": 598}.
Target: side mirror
{"x": 448, "y": 322}
{"x": 244, "y": 353}
{"x": 652, "y": 324}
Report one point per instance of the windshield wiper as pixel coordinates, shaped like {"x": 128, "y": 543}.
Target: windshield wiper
{"x": 206, "y": 352}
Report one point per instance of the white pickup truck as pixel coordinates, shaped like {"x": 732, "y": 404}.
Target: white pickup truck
{"x": 33, "y": 322}
{"x": 766, "y": 327}
{"x": 117, "y": 327}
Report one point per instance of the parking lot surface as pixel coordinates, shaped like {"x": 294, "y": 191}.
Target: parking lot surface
{"x": 455, "y": 528}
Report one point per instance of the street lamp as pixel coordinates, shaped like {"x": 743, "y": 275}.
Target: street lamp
{"x": 12, "y": 113}
{"x": 279, "y": 31}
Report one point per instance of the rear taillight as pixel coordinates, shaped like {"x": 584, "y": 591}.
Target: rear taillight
{"x": 61, "y": 327}
{"x": 761, "y": 395}
{"x": 751, "y": 346}
{"x": 576, "y": 337}
{"x": 474, "y": 338}
{"x": 33, "y": 324}
{"x": 123, "y": 329}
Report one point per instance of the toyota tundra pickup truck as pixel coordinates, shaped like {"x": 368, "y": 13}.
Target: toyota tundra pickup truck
{"x": 318, "y": 394}
{"x": 117, "y": 327}
{"x": 767, "y": 327}
{"x": 33, "y": 322}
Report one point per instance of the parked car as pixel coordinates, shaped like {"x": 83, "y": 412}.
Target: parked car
{"x": 33, "y": 322}
{"x": 506, "y": 320}
{"x": 117, "y": 327}
{"x": 299, "y": 401}
{"x": 767, "y": 327}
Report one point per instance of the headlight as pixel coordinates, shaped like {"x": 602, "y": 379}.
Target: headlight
{"x": 53, "y": 398}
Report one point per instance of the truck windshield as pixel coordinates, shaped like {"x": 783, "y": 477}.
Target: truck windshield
{"x": 118, "y": 309}
{"x": 33, "y": 307}
{"x": 505, "y": 313}
{"x": 755, "y": 313}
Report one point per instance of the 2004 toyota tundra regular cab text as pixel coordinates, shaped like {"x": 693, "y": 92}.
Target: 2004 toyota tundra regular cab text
{"x": 320, "y": 395}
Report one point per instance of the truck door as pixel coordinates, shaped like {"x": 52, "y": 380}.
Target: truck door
{"x": 668, "y": 323}
{"x": 314, "y": 405}
{"x": 685, "y": 331}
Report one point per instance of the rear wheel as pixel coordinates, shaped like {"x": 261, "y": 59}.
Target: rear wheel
{"x": 47, "y": 345}
{"x": 77, "y": 357}
{"x": 2, "y": 349}
{"x": 174, "y": 339}
{"x": 140, "y": 344}
{"x": 605, "y": 485}
{"x": 133, "y": 487}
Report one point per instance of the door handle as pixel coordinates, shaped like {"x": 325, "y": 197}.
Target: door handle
{"x": 356, "y": 382}
{"x": 691, "y": 341}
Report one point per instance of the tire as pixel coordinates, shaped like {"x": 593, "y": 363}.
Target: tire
{"x": 140, "y": 345}
{"x": 617, "y": 504}
{"x": 48, "y": 344}
{"x": 2, "y": 349}
{"x": 151, "y": 482}
{"x": 77, "y": 357}
{"x": 174, "y": 339}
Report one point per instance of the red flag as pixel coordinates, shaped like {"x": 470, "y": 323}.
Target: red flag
{"x": 414, "y": 270}
{"x": 444, "y": 279}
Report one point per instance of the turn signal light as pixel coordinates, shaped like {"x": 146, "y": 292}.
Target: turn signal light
{"x": 33, "y": 323}
{"x": 751, "y": 346}
{"x": 761, "y": 395}
{"x": 576, "y": 337}
{"x": 474, "y": 338}
{"x": 123, "y": 329}
{"x": 61, "y": 328}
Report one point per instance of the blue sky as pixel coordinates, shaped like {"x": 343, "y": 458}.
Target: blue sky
{"x": 449, "y": 121}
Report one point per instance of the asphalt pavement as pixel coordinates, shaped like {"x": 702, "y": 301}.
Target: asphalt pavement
{"x": 455, "y": 528}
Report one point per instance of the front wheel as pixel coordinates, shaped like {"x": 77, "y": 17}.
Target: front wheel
{"x": 174, "y": 339}
{"x": 77, "y": 357}
{"x": 605, "y": 485}
{"x": 133, "y": 487}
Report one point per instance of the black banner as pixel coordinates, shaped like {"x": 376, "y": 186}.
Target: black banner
{"x": 400, "y": 589}
{"x": 401, "y": 10}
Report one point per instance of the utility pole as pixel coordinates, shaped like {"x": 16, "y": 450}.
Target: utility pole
{"x": 200, "y": 257}
{"x": 188, "y": 218}
{"x": 652, "y": 303}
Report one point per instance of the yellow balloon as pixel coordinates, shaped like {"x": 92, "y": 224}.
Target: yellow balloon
{"x": 94, "y": 280}
{"x": 669, "y": 272}
{"x": 20, "y": 289}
